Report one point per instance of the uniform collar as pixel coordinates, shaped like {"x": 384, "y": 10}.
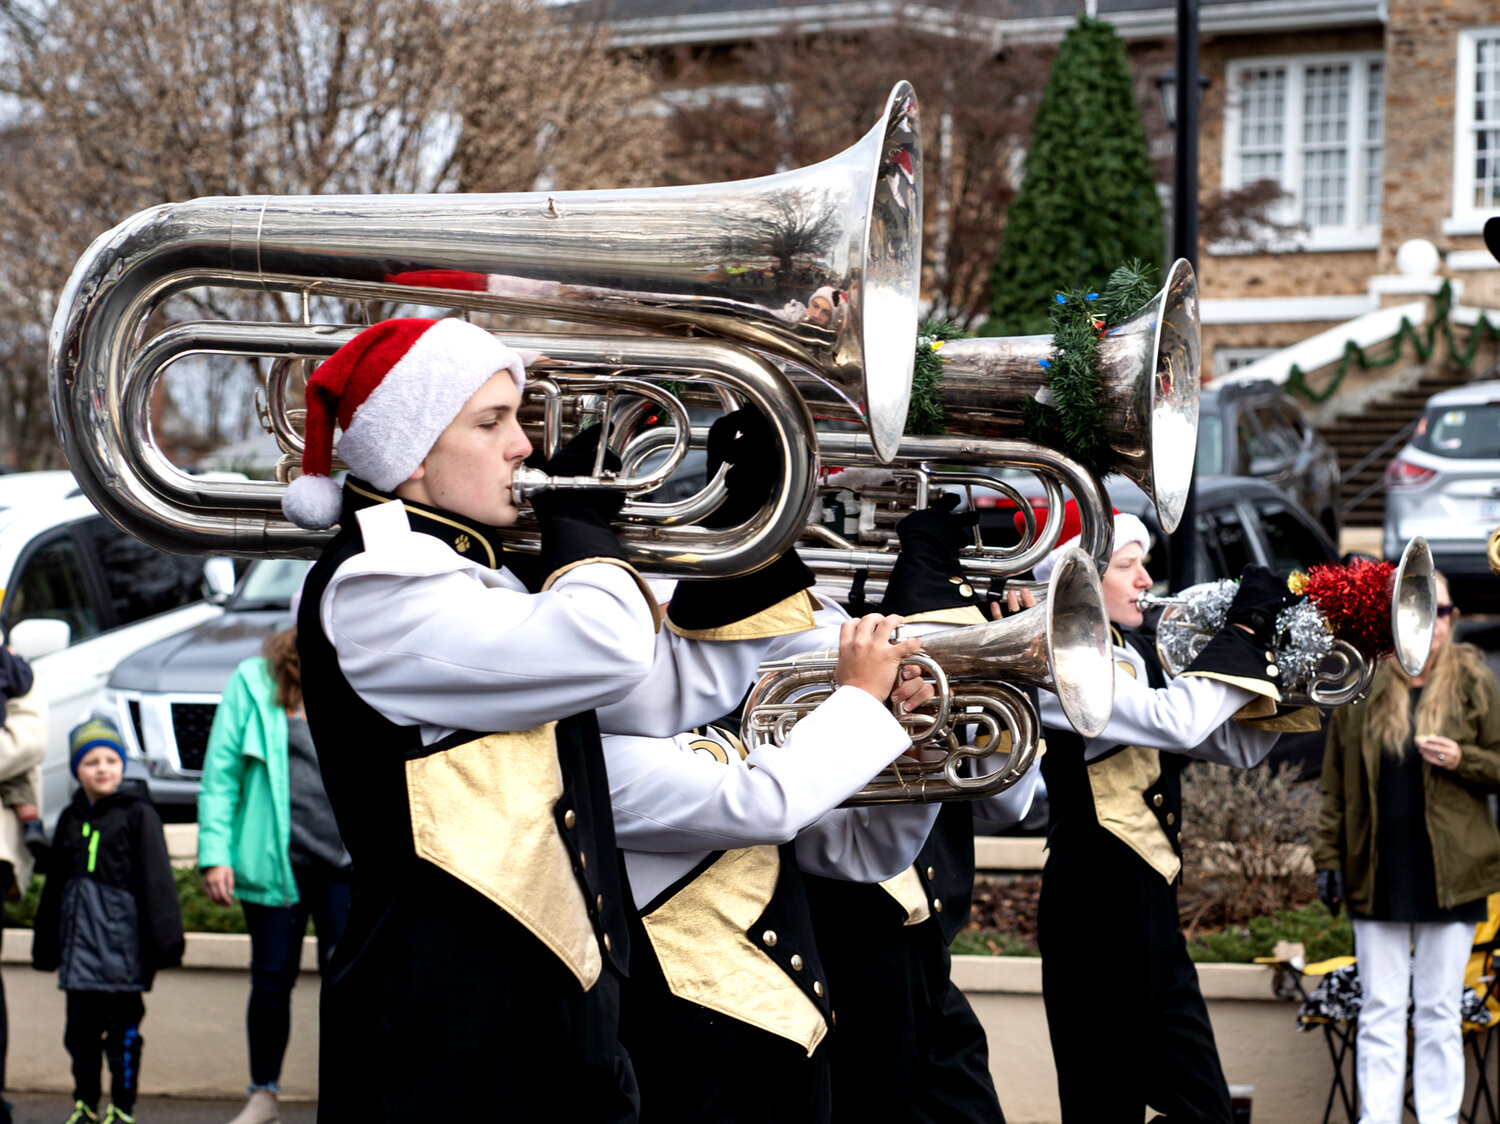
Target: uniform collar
{"x": 478, "y": 542}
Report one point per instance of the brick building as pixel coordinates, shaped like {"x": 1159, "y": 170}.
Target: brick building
{"x": 1381, "y": 118}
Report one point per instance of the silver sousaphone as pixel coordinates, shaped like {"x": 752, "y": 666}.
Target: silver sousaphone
{"x": 740, "y": 263}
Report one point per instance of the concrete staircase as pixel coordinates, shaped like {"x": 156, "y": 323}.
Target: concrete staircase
{"x": 1366, "y": 442}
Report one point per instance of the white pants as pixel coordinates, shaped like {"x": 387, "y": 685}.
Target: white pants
{"x": 1425, "y": 961}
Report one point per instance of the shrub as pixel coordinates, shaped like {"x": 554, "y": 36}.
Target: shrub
{"x": 1321, "y": 935}
{"x": 1246, "y": 839}
{"x": 1088, "y": 201}
{"x": 199, "y": 915}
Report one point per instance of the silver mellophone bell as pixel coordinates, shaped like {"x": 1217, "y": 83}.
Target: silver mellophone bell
{"x": 1316, "y": 668}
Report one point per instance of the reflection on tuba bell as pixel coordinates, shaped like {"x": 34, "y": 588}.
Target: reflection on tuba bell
{"x": 1149, "y": 371}
{"x": 1062, "y": 645}
{"x": 743, "y": 262}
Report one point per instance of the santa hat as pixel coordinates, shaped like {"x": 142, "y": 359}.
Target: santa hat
{"x": 1128, "y": 529}
{"x": 393, "y": 389}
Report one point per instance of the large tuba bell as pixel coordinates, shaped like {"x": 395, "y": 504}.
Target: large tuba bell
{"x": 818, "y": 267}
{"x": 1149, "y": 371}
{"x": 1061, "y": 645}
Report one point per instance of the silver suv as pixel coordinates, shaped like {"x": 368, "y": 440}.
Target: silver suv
{"x": 163, "y": 697}
{"x": 1445, "y": 485}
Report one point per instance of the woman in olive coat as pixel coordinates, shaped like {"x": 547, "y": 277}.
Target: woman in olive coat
{"x": 1405, "y": 836}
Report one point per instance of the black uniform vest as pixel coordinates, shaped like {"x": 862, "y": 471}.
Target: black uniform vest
{"x": 1074, "y": 819}
{"x": 363, "y": 758}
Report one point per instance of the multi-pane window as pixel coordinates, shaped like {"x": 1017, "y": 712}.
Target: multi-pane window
{"x": 1316, "y": 126}
{"x": 1476, "y": 165}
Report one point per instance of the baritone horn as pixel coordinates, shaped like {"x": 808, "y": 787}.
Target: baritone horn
{"x": 818, "y": 267}
{"x": 1062, "y": 645}
{"x": 1344, "y": 674}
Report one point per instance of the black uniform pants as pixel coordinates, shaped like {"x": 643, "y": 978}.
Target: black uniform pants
{"x": 1128, "y": 1023}
{"x": 107, "y": 1021}
{"x": 440, "y": 1007}
{"x": 908, "y": 1047}
{"x": 698, "y": 1066}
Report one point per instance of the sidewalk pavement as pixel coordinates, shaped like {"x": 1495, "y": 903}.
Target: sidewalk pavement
{"x": 53, "y": 1108}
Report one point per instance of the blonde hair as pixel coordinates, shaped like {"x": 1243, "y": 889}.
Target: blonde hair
{"x": 1443, "y": 692}
{"x": 286, "y": 668}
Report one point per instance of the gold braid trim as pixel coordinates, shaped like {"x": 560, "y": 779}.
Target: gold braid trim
{"x": 790, "y": 615}
{"x": 640, "y": 582}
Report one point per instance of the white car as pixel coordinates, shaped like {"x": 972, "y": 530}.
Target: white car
{"x": 77, "y": 595}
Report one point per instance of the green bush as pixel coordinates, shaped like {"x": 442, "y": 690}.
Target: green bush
{"x": 992, "y": 942}
{"x": 199, "y": 915}
{"x": 1321, "y": 935}
{"x": 1088, "y": 202}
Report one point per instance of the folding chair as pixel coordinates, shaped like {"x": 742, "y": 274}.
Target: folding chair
{"x": 1332, "y": 1006}
{"x": 1482, "y": 1014}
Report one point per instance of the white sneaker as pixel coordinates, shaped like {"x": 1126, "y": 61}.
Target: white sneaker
{"x": 261, "y": 1108}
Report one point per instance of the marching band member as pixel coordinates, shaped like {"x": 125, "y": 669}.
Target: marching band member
{"x": 1113, "y": 851}
{"x": 909, "y": 1047}
{"x": 715, "y": 840}
{"x": 452, "y": 709}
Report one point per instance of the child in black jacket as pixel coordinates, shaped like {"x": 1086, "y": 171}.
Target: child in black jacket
{"x": 108, "y": 919}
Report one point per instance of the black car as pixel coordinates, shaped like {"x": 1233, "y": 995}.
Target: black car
{"x": 1254, "y": 429}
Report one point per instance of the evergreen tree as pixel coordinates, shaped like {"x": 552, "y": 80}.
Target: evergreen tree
{"x": 1087, "y": 203}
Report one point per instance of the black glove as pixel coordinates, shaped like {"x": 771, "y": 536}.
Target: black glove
{"x": 1331, "y": 889}
{"x": 1259, "y": 601}
{"x": 743, "y": 440}
{"x": 576, "y": 458}
{"x": 15, "y": 676}
{"x": 928, "y": 575}
{"x": 575, "y": 521}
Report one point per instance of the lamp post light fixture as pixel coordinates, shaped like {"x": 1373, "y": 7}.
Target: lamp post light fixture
{"x": 1166, "y": 85}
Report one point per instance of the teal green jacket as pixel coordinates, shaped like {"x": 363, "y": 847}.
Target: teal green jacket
{"x": 244, "y": 802}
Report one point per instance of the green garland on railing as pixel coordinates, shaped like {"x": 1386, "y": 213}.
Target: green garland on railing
{"x": 1442, "y": 321}
{"x": 925, "y": 417}
{"x": 1073, "y": 421}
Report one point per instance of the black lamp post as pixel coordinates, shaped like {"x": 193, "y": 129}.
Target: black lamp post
{"x": 1180, "y": 105}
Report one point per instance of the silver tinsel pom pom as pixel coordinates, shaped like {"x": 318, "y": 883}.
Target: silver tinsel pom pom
{"x": 1202, "y": 617}
{"x": 1302, "y": 640}
{"x": 1302, "y": 636}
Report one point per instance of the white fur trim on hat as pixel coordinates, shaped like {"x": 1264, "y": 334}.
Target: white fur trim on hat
{"x": 314, "y": 502}
{"x": 397, "y": 425}
{"x": 1128, "y": 529}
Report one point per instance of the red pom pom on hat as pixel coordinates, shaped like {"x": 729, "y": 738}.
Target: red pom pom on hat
{"x": 392, "y": 390}
{"x": 1127, "y": 529}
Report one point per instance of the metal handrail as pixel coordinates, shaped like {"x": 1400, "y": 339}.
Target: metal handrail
{"x": 1397, "y": 438}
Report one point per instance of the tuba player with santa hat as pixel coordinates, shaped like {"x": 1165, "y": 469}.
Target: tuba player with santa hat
{"x": 452, "y": 704}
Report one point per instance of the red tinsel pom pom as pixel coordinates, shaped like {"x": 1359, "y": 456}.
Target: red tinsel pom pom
{"x": 1356, "y": 601}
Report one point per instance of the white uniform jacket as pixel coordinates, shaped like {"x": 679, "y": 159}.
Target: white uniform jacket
{"x": 1190, "y": 716}
{"x": 429, "y": 638}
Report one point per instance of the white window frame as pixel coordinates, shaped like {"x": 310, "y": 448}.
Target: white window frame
{"x": 1352, "y": 235}
{"x": 1230, "y": 359}
{"x": 1466, "y": 218}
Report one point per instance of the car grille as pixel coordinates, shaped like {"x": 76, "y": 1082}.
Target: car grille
{"x": 190, "y": 725}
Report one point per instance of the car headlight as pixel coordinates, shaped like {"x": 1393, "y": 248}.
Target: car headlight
{"x": 116, "y": 705}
